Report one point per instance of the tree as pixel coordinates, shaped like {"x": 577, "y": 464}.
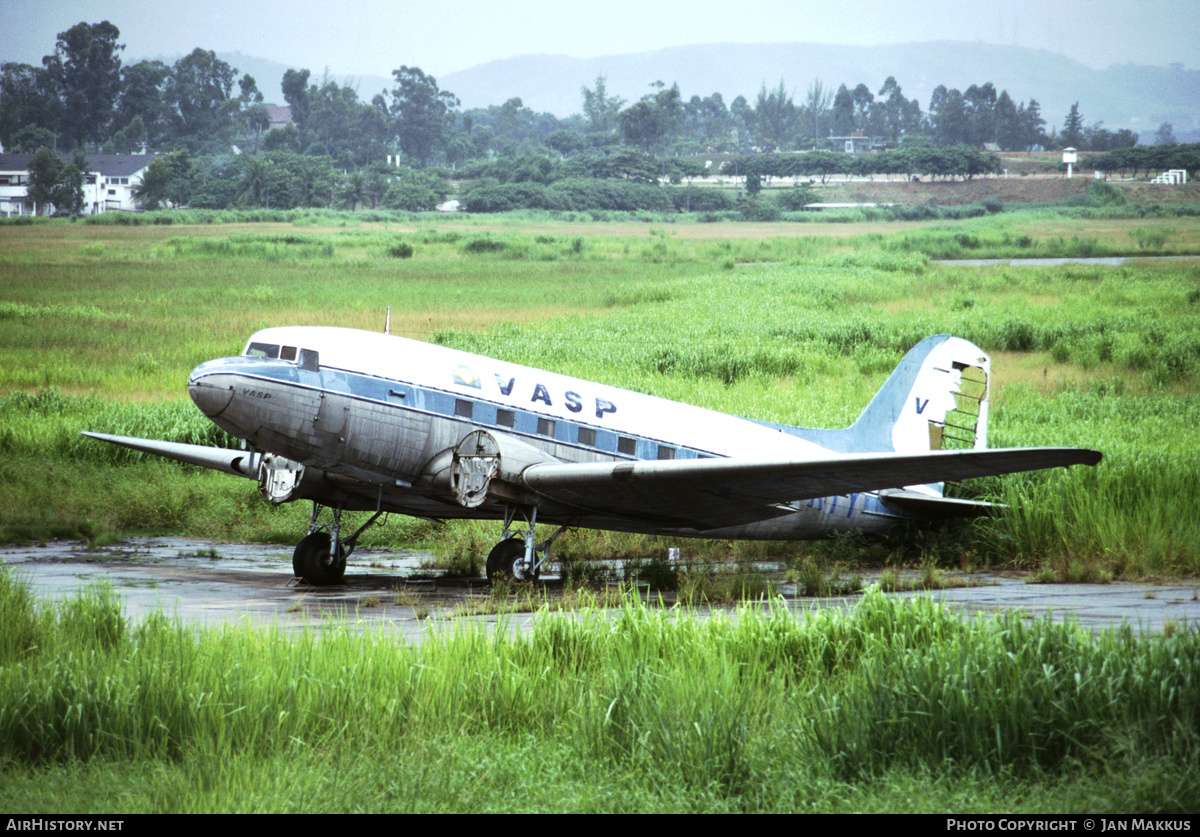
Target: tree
{"x": 893, "y": 108}
{"x": 154, "y": 188}
{"x": 774, "y": 117}
{"x": 253, "y": 115}
{"x": 863, "y": 101}
{"x": 44, "y": 170}
{"x": 1072, "y": 135}
{"x": 652, "y": 123}
{"x": 1165, "y": 135}
{"x": 817, "y": 103}
{"x": 296, "y": 93}
{"x": 565, "y": 142}
{"x": 142, "y": 99}
{"x": 198, "y": 90}
{"x": 86, "y": 69}
{"x": 27, "y": 101}
{"x": 600, "y": 109}
{"x": 947, "y": 117}
{"x": 1032, "y": 132}
{"x": 53, "y": 182}
{"x": 843, "y": 112}
{"x": 706, "y": 122}
{"x": 422, "y": 114}
{"x": 980, "y": 106}
{"x": 1008, "y": 123}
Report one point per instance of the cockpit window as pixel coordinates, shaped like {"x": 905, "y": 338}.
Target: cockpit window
{"x": 306, "y": 358}
{"x": 267, "y": 350}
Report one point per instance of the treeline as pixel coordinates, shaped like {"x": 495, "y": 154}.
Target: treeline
{"x": 83, "y": 97}
{"x": 1142, "y": 160}
{"x": 914, "y": 160}
{"x": 399, "y": 150}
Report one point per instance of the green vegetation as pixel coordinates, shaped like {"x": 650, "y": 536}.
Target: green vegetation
{"x": 811, "y": 320}
{"x": 896, "y": 706}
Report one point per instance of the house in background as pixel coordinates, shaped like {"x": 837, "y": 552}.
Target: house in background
{"x": 108, "y": 183}
{"x": 858, "y": 143}
{"x": 278, "y": 117}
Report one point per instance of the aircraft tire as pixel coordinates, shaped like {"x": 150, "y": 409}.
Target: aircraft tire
{"x": 502, "y": 561}
{"x": 313, "y": 562}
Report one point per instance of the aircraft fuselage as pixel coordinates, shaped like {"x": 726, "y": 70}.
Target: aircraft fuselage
{"x": 375, "y": 420}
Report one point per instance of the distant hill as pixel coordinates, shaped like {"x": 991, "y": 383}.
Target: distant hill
{"x": 1122, "y": 96}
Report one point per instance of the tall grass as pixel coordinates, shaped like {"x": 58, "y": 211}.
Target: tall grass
{"x": 796, "y": 329}
{"x": 757, "y": 712}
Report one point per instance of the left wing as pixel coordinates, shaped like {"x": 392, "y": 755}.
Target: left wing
{"x": 716, "y": 493}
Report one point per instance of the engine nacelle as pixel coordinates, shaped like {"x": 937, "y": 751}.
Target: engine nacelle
{"x": 487, "y": 465}
{"x": 280, "y": 479}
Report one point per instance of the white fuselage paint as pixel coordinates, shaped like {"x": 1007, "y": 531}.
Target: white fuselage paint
{"x": 381, "y": 408}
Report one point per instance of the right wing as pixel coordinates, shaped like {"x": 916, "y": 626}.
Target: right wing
{"x": 716, "y": 493}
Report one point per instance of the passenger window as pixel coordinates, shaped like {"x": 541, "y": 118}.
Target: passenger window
{"x": 665, "y": 452}
{"x": 463, "y": 409}
{"x": 626, "y": 446}
{"x": 545, "y": 427}
{"x": 506, "y": 418}
{"x": 587, "y": 436}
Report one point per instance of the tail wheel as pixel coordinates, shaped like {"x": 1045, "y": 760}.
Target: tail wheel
{"x": 507, "y": 560}
{"x": 314, "y": 562}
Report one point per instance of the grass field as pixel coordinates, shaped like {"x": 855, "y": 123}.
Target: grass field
{"x": 895, "y": 707}
{"x": 800, "y": 323}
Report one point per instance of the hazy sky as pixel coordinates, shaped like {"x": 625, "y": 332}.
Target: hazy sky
{"x": 360, "y": 37}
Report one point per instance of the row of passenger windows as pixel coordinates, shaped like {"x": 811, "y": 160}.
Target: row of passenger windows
{"x": 586, "y": 436}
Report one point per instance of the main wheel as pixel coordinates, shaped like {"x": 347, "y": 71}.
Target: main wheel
{"x": 507, "y": 560}
{"x": 313, "y": 560}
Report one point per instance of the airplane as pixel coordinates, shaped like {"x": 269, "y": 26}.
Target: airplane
{"x": 366, "y": 421}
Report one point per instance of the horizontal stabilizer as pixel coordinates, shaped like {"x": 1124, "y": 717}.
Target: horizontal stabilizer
{"x": 240, "y": 463}
{"x": 937, "y": 508}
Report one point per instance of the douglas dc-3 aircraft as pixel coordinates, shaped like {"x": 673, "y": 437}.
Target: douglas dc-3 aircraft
{"x": 361, "y": 421}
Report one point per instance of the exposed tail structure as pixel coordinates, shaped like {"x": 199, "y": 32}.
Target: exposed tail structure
{"x": 935, "y": 399}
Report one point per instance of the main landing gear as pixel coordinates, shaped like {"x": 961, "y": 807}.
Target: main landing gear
{"x": 320, "y": 557}
{"x": 518, "y": 556}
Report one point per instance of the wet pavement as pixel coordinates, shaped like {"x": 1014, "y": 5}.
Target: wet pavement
{"x": 212, "y": 584}
{"x": 1108, "y": 261}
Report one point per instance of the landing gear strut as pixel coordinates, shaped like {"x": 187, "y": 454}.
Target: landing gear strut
{"x": 320, "y": 557}
{"x": 519, "y": 556}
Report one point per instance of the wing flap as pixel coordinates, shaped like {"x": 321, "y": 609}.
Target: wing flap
{"x": 715, "y": 493}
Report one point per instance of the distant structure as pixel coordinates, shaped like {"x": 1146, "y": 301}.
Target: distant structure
{"x": 278, "y": 117}
{"x": 857, "y": 142}
{"x": 1070, "y": 157}
{"x": 108, "y": 183}
{"x": 1173, "y": 177}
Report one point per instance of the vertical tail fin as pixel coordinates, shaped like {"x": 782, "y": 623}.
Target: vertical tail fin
{"x": 936, "y": 399}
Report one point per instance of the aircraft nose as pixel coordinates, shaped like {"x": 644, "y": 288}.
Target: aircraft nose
{"x": 211, "y": 396}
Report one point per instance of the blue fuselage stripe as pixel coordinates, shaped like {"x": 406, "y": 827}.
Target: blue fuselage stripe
{"x": 406, "y": 396}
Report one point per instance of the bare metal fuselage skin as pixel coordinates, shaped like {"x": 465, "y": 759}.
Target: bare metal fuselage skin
{"x": 375, "y": 420}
